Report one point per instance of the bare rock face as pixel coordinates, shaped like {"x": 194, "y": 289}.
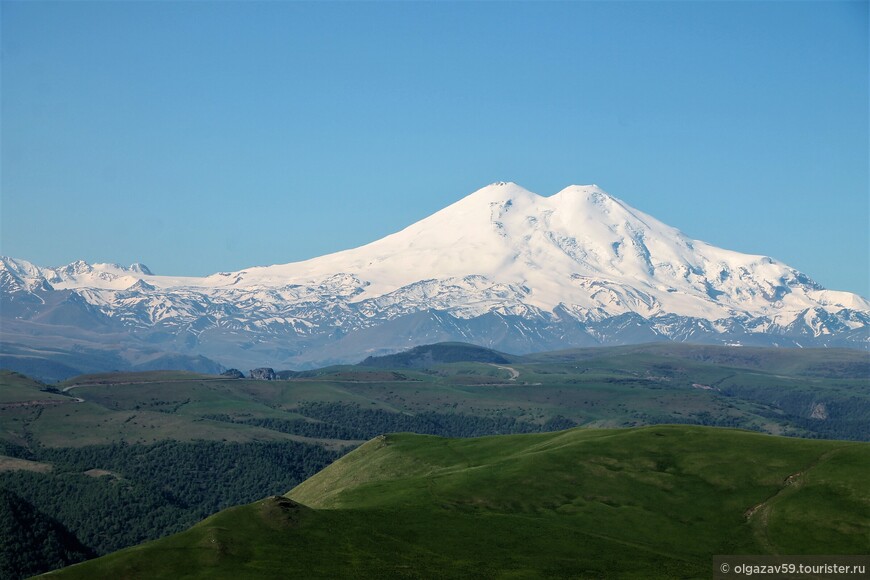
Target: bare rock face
{"x": 233, "y": 374}
{"x": 262, "y": 374}
{"x": 820, "y": 411}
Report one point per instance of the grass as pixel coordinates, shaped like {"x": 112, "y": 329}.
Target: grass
{"x": 16, "y": 388}
{"x": 770, "y": 390}
{"x": 16, "y": 464}
{"x": 653, "y": 502}
{"x": 134, "y": 377}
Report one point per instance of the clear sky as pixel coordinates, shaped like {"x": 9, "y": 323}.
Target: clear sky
{"x": 198, "y": 137}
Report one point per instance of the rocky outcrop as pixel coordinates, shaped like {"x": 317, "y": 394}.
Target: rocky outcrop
{"x": 819, "y": 411}
{"x": 233, "y": 374}
{"x": 262, "y": 374}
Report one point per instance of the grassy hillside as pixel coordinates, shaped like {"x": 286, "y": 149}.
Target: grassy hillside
{"x": 821, "y": 362}
{"x": 17, "y": 388}
{"x": 810, "y": 393}
{"x": 442, "y": 352}
{"x": 131, "y": 448}
{"x": 653, "y": 502}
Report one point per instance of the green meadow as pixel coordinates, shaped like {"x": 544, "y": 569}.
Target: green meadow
{"x": 806, "y": 393}
{"x": 117, "y": 459}
{"x": 653, "y": 502}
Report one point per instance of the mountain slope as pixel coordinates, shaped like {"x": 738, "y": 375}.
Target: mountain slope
{"x": 503, "y": 267}
{"x": 551, "y": 251}
{"x": 656, "y": 502}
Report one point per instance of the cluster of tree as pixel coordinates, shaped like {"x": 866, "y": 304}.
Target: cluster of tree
{"x": 314, "y": 429}
{"x": 348, "y": 421}
{"x": 704, "y": 418}
{"x": 839, "y": 369}
{"x": 153, "y": 490}
{"x": 32, "y": 542}
{"x": 12, "y": 450}
{"x": 831, "y": 428}
{"x": 368, "y": 423}
{"x": 845, "y": 417}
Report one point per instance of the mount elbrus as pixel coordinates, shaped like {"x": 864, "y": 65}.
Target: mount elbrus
{"x": 503, "y": 267}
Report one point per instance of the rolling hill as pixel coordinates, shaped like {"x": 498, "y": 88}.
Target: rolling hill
{"x": 802, "y": 392}
{"x": 120, "y": 458}
{"x": 655, "y": 502}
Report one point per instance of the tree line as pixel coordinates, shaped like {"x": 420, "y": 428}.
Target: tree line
{"x": 349, "y": 421}
{"x": 150, "y": 490}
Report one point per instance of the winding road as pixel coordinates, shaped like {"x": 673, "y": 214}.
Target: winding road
{"x": 514, "y": 372}
{"x": 68, "y": 389}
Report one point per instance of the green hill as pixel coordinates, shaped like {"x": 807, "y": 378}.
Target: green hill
{"x": 17, "y": 388}
{"x": 809, "y": 393}
{"x": 838, "y": 363}
{"x": 652, "y": 502}
{"x": 439, "y": 353}
{"x": 175, "y": 447}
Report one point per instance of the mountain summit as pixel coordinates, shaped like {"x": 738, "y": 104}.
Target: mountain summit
{"x": 502, "y": 267}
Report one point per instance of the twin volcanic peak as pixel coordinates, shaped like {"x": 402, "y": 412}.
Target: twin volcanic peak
{"x": 580, "y": 264}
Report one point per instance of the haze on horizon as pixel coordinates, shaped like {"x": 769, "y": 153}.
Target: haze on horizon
{"x": 205, "y": 137}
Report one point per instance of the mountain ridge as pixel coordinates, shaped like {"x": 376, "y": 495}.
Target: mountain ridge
{"x": 502, "y": 267}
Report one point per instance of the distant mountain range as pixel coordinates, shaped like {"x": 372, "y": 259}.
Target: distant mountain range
{"x": 503, "y": 268}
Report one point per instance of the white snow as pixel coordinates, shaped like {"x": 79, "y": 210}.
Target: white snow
{"x": 501, "y": 249}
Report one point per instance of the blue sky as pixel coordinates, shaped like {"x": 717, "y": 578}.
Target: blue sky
{"x": 197, "y": 137}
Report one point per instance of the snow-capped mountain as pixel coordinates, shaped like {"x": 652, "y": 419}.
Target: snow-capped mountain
{"x": 502, "y": 267}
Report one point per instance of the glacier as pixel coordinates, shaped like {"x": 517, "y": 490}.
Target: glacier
{"x": 502, "y": 267}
